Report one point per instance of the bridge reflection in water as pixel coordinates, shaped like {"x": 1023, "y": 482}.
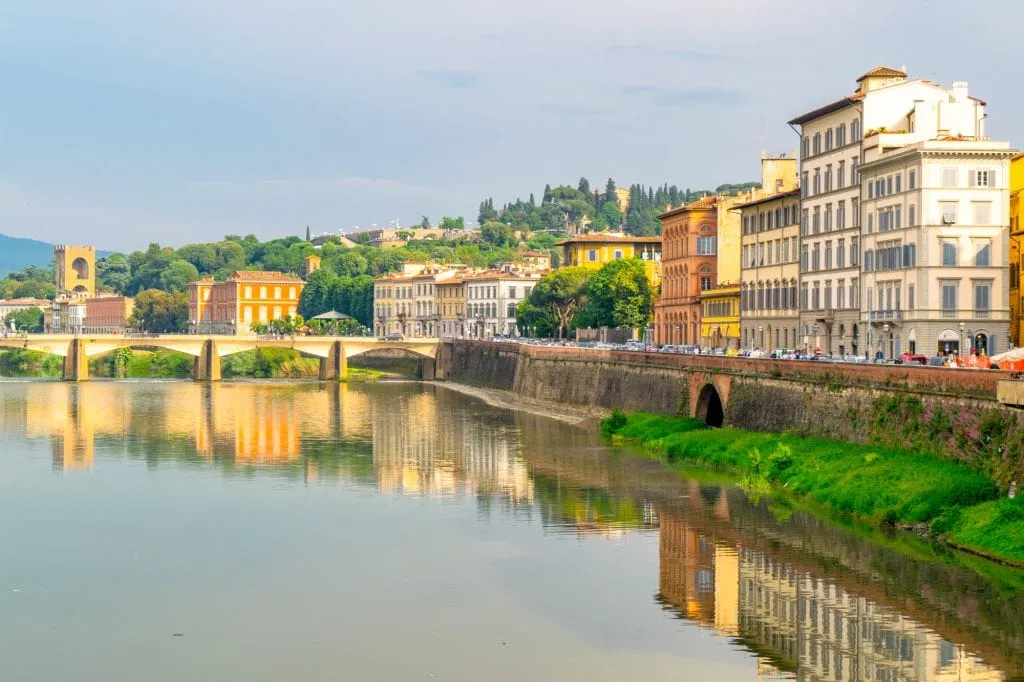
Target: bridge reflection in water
{"x": 802, "y": 597}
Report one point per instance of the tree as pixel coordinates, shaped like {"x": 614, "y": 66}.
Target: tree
{"x": 610, "y": 194}
{"x": 114, "y": 273}
{"x": 498, "y": 234}
{"x": 547, "y": 195}
{"x": 619, "y": 295}
{"x": 449, "y": 223}
{"x": 177, "y": 275}
{"x": 159, "y": 312}
{"x": 561, "y": 294}
{"x": 486, "y": 212}
{"x": 25, "y": 320}
{"x": 610, "y": 215}
{"x": 404, "y": 234}
{"x": 584, "y": 187}
{"x": 308, "y": 236}
{"x": 425, "y": 223}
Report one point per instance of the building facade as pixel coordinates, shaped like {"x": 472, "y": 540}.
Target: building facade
{"x": 720, "y": 317}
{"x": 13, "y": 305}
{"x": 75, "y": 270}
{"x": 492, "y": 299}
{"x": 769, "y": 258}
{"x": 689, "y": 240}
{"x": 599, "y": 248}
{"x": 406, "y": 302}
{"x": 936, "y": 230}
{"x": 1016, "y": 239}
{"x": 108, "y": 314}
{"x": 451, "y": 304}
{"x": 247, "y": 298}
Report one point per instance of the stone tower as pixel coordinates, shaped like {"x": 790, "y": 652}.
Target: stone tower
{"x": 75, "y": 270}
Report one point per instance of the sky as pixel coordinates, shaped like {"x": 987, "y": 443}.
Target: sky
{"x": 124, "y": 122}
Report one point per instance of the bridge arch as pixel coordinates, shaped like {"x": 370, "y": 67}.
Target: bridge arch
{"x": 710, "y": 409}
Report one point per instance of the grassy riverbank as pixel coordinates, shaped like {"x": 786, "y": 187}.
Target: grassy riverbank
{"x": 888, "y": 486}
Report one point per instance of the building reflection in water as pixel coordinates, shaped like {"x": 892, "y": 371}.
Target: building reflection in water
{"x": 800, "y": 626}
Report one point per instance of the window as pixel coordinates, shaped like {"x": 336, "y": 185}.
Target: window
{"x": 816, "y": 257}
{"x": 888, "y": 185}
{"x": 817, "y": 220}
{"x": 803, "y": 296}
{"x": 855, "y": 212}
{"x": 617, "y": 255}
{"x": 816, "y": 296}
{"x": 871, "y": 190}
{"x": 828, "y": 140}
{"x": 854, "y": 173}
{"x": 785, "y": 250}
{"x": 817, "y": 143}
{"x": 841, "y": 254}
{"x": 982, "y": 298}
{"x": 871, "y": 223}
{"x": 805, "y": 148}
{"x": 949, "y": 177}
{"x": 705, "y": 282}
{"x": 828, "y": 178}
{"x": 982, "y": 212}
{"x": 263, "y": 293}
{"x": 817, "y": 181}
{"x": 248, "y": 292}
{"x": 949, "y": 253}
{"x": 911, "y": 215}
{"x": 854, "y": 252}
{"x": 803, "y": 258}
{"x": 803, "y": 222}
{"x": 840, "y": 294}
{"x": 760, "y": 254}
{"x": 778, "y": 251}
{"x": 841, "y": 175}
{"x": 949, "y": 212}
{"x": 899, "y": 182}
{"x": 897, "y": 217}
{"x": 804, "y": 185}
{"x": 511, "y": 292}
{"x": 705, "y": 242}
{"x": 912, "y": 179}
{"x": 855, "y": 130}
{"x": 910, "y": 297}
{"x": 982, "y": 253}
{"x": 828, "y": 255}
{"x": 828, "y": 217}
{"x": 592, "y": 255}
{"x": 841, "y": 135}
{"x": 854, "y": 301}
{"x": 982, "y": 178}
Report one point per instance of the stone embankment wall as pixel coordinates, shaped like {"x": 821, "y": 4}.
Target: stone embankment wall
{"x": 951, "y": 413}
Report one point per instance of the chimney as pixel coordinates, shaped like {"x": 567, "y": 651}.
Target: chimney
{"x": 959, "y": 91}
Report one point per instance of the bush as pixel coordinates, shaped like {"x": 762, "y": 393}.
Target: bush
{"x": 614, "y": 422}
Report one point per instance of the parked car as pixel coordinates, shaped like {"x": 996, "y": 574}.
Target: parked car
{"x": 909, "y": 358}
{"x": 394, "y": 336}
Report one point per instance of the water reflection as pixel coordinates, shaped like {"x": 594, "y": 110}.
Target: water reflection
{"x": 804, "y": 599}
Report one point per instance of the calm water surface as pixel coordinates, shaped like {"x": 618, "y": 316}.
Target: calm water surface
{"x": 275, "y": 531}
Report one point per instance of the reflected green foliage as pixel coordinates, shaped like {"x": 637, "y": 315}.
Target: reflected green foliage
{"x": 269, "y": 363}
{"x": 957, "y": 503}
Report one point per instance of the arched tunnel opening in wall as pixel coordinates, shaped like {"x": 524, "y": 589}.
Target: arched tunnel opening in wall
{"x": 709, "y": 407}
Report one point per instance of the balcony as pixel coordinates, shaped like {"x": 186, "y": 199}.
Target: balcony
{"x": 881, "y": 316}
{"x": 828, "y": 315}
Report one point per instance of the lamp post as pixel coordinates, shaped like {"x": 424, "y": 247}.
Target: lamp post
{"x": 970, "y": 341}
{"x": 760, "y": 337}
{"x": 960, "y": 350}
{"x": 886, "y": 339}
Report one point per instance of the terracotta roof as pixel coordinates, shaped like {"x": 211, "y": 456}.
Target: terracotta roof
{"x": 609, "y": 238}
{"x": 535, "y": 254}
{"x": 702, "y": 204}
{"x": 823, "y": 110}
{"x": 882, "y": 71}
{"x": 781, "y": 195}
{"x": 26, "y": 301}
{"x": 264, "y": 276}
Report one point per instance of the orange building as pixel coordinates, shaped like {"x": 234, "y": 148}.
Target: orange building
{"x": 108, "y": 313}
{"x": 689, "y": 266}
{"x": 249, "y": 297}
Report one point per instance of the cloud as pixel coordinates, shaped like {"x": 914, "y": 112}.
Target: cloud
{"x": 675, "y": 53}
{"x": 674, "y": 97}
{"x": 355, "y": 182}
{"x": 457, "y": 79}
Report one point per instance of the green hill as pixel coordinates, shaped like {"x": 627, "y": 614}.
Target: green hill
{"x": 17, "y": 253}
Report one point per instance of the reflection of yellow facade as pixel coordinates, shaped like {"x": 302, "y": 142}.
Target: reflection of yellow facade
{"x": 599, "y": 248}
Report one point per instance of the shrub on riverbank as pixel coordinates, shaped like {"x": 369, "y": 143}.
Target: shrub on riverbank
{"x": 880, "y": 485}
{"x": 18, "y": 362}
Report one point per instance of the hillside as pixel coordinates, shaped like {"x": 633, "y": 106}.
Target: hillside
{"x": 17, "y": 253}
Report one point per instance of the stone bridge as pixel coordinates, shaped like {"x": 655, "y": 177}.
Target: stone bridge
{"x": 207, "y": 351}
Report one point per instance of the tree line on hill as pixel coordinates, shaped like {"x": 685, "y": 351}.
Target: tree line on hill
{"x": 616, "y": 295}
{"x": 567, "y": 209}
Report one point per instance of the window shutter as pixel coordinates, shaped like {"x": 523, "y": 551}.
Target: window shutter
{"x": 971, "y": 178}
{"x": 992, "y": 175}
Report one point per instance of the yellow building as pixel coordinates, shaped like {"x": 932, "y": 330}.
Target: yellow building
{"x": 720, "y": 317}
{"x": 451, "y": 305}
{"x": 1016, "y": 242}
{"x": 249, "y": 297}
{"x": 75, "y": 270}
{"x": 599, "y": 248}
{"x": 312, "y": 264}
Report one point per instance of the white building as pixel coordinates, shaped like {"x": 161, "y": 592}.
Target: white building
{"x": 13, "y": 305}
{"x": 935, "y": 199}
{"x": 492, "y": 298}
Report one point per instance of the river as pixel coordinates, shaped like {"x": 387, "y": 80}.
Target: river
{"x": 277, "y": 531}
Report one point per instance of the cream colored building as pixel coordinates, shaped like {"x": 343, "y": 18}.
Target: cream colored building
{"x": 492, "y": 298}
{"x": 405, "y": 302}
{"x": 770, "y": 258}
{"x": 936, "y": 231}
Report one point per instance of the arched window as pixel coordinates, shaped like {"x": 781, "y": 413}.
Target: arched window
{"x": 81, "y": 268}
{"x": 706, "y": 245}
{"x": 706, "y": 278}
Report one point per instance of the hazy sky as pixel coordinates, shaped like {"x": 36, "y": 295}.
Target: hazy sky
{"x": 129, "y": 121}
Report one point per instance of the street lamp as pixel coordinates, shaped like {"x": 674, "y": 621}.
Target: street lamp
{"x": 887, "y": 340}
{"x": 960, "y": 350}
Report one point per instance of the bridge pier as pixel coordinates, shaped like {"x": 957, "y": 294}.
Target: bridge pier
{"x": 76, "y": 365}
{"x": 206, "y": 367}
{"x": 335, "y": 365}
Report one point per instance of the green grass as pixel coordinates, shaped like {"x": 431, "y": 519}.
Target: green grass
{"x": 882, "y": 486}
